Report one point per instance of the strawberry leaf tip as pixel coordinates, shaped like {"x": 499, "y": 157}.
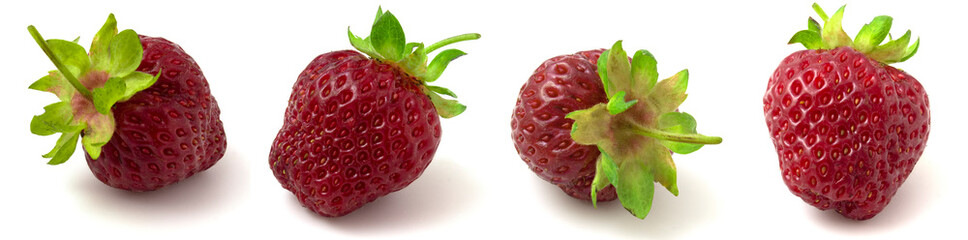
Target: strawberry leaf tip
{"x": 87, "y": 85}
{"x": 387, "y": 42}
{"x": 637, "y": 129}
{"x": 868, "y": 40}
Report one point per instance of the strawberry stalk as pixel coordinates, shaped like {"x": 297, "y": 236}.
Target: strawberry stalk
{"x": 387, "y": 43}
{"x": 57, "y": 63}
{"x": 636, "y": 137}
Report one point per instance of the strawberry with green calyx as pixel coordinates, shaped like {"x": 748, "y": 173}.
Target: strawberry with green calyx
{"x": 139, "y": 104}
{"x": 636, "y": 136}
{"x": 848, "y": 128}
{"x": 358, "y": 128}
{"x": 88, "y": 86}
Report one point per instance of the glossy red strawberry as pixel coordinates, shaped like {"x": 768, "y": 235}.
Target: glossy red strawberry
{"x": 574, "y": 128}
{"x": 140, "y": 103}
{"x": 847, "y": 127}
{"x": 542, "y": 134}
{"x": 357, "y": 127}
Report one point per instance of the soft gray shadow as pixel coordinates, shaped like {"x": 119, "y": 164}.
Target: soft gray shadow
{"x": 444, "y": 191}
{"x": 196, "y": 197}
{"x": 912, "y": 199}
{"x": 669, "y": 217}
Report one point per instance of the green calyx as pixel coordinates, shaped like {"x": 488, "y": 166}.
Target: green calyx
{"x": 635, "y": 136}
{"x": 88, "y": 85}
{"x": 387, "y": 43}
{"x": 867, "y": 41}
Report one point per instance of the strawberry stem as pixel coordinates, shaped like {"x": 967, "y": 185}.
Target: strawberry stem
{"x": 57, "y": 63}
{"x": 450, "y": 40}
{"x": 676, "y": 137}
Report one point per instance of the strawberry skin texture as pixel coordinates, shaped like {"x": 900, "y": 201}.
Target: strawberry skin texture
{"x": 542, "y": 134}
{"x": 848, "y": 130}
{"x": 167, "y": 132}
{"x": 355, "y": 129}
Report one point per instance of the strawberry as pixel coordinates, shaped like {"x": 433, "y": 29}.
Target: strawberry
{"x": 357, "y": 127}
{"x": 140, "y": 106}
{"x": 574, "y": 128}
{"x": 848, "y": 128}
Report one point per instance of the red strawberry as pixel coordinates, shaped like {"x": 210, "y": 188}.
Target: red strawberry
{"x": 573, "y": 127}
{"x": 357, "y": 127}
{"x": 542, "y": 134}
{"x": 847, "y": 127}
{"x": 140, "y": 132}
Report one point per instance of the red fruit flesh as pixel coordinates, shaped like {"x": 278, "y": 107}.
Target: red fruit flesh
{"x": 542, "y": 134}
{"x": 167, "y": 132}
{"x": 356, "y": 129}
{"x": 848, "y": 130}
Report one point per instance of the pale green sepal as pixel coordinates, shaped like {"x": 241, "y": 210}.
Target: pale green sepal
{"x": 833, "y": 32}
{"x": 57, "y": 117}
{"x": 440, "y": 62}
{"x": 442, "y": 90}
{"x": 872, "y": 34}
{"x": 603, "y": 74}
{"x": 892, "y": 51}
{"x": 592, "y": 125}
{"x": 55, "y": 83}
{"x": 670, "y": 92}
{"x": 635, "y": 187}
{"x": 663, "y": 168}
{"x": 102, "y": 40}
{"x": 617, "y": 104}
{"x": 137, "y": 82}
{"x": 644, "y": 72}
{"x": 124, "y": 54}
{"x": 810, "y": 39}
{"x": 601, "y": 180}
{"x": 71, "y": 54}
{"x": 446, "y": 108}
{"x": 619, "y": 70}
{"x": 100, "y": 128}
{"x": 678, "y": 123}
{"x": 387, "y": 37}
{"x": 911, "y": 50}
{"x": 66, "y": 144}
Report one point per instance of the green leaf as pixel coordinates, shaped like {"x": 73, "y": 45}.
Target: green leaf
{"x": 71, "y": 54}
{"x": 872, "y": 34}
{"x": 617, "y": 103}
{"x": 56, "y": 118}
{"x": 442, "y": 90}
{"x": 107, "y": 95}
{"x": 440, "y": 62}
{"x": 911, "y": 50}
{"x": 833, "y": 32}
{"x": 102, "y": 40}
{"x": 678, "y": 123}
{"x": 605, "y": 172}
{"x": 125, "y": 53}
{"x": 66, "y": 144}
{"x": 445, "y": 108}
{"x": 603, "y": 73}
{"x": 635, "y": 188}
{"x": 619, "y": 70}
{"x": 671, "y": 92}
{"x": 387, "y": 37}
{"x": 592, "y": 125}
{"x": 663, "y": 167}
{"x": 812, "y": 25}
{"x": 809, "y": 39}
{"x": 644, "y": 71}
{"x": 363, "y": 45}
{"x": 55, "y": 83}
{"x": 137, "y": 82}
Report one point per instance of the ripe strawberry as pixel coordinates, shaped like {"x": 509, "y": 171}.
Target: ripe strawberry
{"x": 573, "y": 127}
{"x": 847, "y": 127}
{"x": 358, "y": 128}
{"x": 167, "y": 127}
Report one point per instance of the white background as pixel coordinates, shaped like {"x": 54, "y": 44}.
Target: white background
{"x": 476, "y": 187}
